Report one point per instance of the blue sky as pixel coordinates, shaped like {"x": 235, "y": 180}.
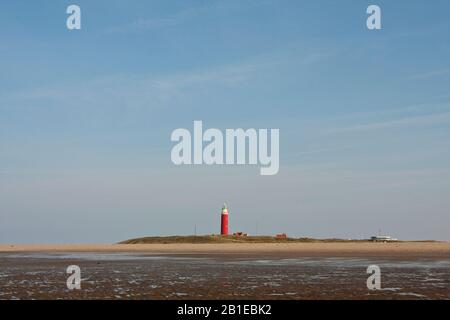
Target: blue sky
{"x": 86, "y": 118}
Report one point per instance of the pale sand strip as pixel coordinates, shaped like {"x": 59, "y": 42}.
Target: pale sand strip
{"x": 399, "y": 249}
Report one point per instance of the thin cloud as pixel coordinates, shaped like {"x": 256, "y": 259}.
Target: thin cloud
{"x": 430, "y": 119}
{"x": 431, "y": 74}
{"x": 182, "y": 16}
{"x": 148, "y": 90}
{"x": 157, "y": 90}
{"x": 144, "y": 24}
{"x": 322, "y": 150}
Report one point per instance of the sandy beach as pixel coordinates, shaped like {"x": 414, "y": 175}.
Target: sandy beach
{"x": 394, "y": 249}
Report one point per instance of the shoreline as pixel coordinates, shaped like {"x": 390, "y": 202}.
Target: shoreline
{"x": 375, "y": 249}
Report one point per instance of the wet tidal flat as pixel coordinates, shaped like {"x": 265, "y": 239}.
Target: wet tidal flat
{"x": 225, "y": 276}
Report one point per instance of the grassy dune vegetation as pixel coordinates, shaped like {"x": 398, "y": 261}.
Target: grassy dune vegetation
{"x": 225, "y": 239}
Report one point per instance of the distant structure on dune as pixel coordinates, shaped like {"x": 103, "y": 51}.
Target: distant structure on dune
{"x": 224, "y": 221}
{"x": 382, "y": 239}
{"x": 281, "y": 236}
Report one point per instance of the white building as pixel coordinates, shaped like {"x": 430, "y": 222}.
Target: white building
{"x": 383, "y": 238}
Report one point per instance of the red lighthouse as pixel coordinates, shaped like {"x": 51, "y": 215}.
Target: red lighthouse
{"x": 224, "y": 221}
